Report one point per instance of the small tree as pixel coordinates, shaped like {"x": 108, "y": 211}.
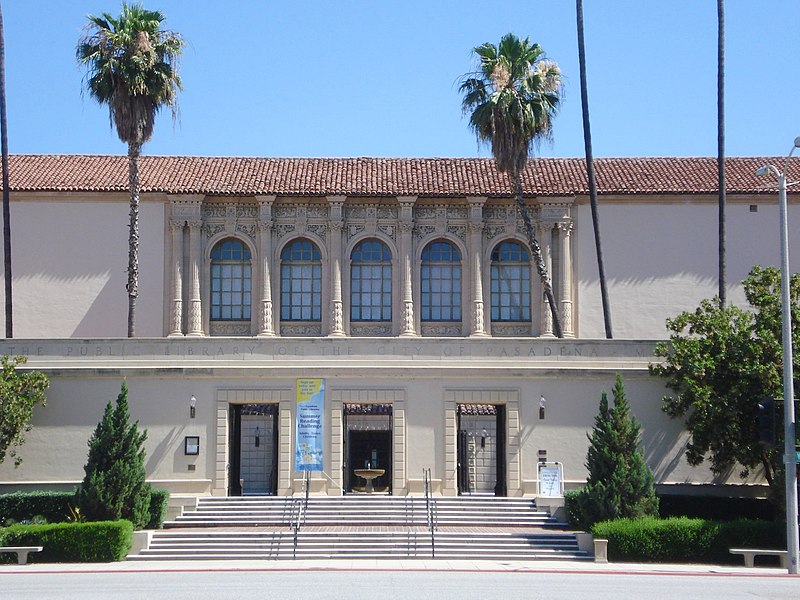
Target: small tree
{"x": 20, "y": 391}
{"x": 114, "y": 486}
{"x": 620, "y": 484}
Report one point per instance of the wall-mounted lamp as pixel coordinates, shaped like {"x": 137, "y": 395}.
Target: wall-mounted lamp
{"x": 191, "y": 445}
{"x": 258, "y": 436}
{"x": 484, "y": 435}
{"x": 542, "y": 402}
{"x": 192, "y": 407}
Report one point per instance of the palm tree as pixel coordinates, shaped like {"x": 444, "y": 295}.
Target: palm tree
{"x": 721, "y": 145}
{"x": 132, "y": 67}
{"x": 512, "y": 98}
{"x": 587, "y": 142}
{"x": 6, "y": 191}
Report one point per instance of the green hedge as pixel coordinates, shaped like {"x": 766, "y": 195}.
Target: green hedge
{"x": 101, "y": 541}
{"x": 159, "y": 500}
{"x": 22, "y": 507}
{"x": 686, "y": 540}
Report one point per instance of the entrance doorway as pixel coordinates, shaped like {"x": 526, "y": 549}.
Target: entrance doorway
{"x": 367, "y": 445}
{"x": 481, "y": 449}
{"x": 253, "y": 467}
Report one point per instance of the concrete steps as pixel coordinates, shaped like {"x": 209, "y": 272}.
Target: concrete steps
{"x": 251, "y": 528}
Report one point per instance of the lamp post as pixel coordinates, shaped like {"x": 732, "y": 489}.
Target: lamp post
{"x": 790, "y": 458}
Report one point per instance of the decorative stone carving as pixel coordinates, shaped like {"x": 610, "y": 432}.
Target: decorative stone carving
{"x": 284, "y": 211}
{"x": 337, "y": 318}
{"x": 370, "y": 330}
{"x": 246, "y": 211}
{"x": 355, "y": 212}
{"x": 478, "y": 318}
{"x": 213, "y": 229}
{"x": 510, "y": 330}
{"x": 407, "y": 317}
{"x": 266, "y": 319}
{"x": 388, "y": 230}
{"x": 336, "y": 226}
{"x": 387, "y": 212}
{"x": 283, "y": 229}
{"x": 422, "y": 213}
{"x": 301, "y": 329}
{"x": 214, "y": 211}
{"x": 492, "y": 231}
{"x": 317, "y": 211}
{"x": 457, "y": 212}
{"x": 249, "y": 230}
{"x": 319, "y": 229}
{"x": 225, "y": 328}
{"x": 459, "y": 231}
{"x": 353, "y": 229}
{"x": 440, "y": 330}
{"x": 421, "y": 231}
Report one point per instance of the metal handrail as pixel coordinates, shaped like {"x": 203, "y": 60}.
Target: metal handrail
{"x": 430, "y": 509}
{"x": 301, "y": 505}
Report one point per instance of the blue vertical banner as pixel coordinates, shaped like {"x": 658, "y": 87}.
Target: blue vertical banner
{"x": 310, "y": 413}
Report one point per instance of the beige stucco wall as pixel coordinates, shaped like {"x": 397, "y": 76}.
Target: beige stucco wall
{"x": 421, "y": 376}
{"x": 70, "y": 260}
{"x": 661, "y": 258}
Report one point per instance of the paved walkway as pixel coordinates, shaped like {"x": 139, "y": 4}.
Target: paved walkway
{"x": 394, "y": 565}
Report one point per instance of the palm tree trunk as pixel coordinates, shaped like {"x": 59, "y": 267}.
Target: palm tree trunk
{"x": 587, "y": 142}
{"x": 134, "y": 150}
{"x": 536, "y": 250}
{"x": 6, "y": 191}
{"x": 721, "y": 146}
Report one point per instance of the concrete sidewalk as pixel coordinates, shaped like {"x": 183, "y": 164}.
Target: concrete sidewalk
{"x": 396, "y": 565}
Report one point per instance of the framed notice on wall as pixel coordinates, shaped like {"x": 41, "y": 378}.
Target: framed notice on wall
{"x": 551, "y": 480}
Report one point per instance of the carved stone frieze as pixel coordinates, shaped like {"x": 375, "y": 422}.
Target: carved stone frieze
{"x": 214, "y": 211}
{"x": 246, "y": 211}
{"x": 441, "y": 330}
{"x": 301, "y": 329}
{"x": 370, "y": 330}
{"x": 284, "y": 211}
{"x": 387, "y": 212}
{"x": 457, "y": 212}
{"x": 423, "y": 213}
{"x": 317, "y": 211}
{"x": 355, "y": 212}
{"x": 224, "y": 328}
{"x": 492, "y": 231}
{"x": 510, "y": 330}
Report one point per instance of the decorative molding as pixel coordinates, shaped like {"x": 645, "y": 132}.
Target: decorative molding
{"x": 492, "y": 231}
{"x": 387, "y": 212}
{"x": 460, "y": 231}
{"x": 337, "y": 318}
{"x": 320, "y": 229}
{"x": 283, "y": 229}
{"x": 266, "y": 319}
{"x": 284, "y": 211}
{"x": 317, "y": 211}
{"x": 423, "y": 213}
{"x": 248, "y": 230}
{"x": 388, "y": 230}
{"x": 353, "y": 229}
{"x": 370, "y": 330}
{"x": 213, "y": 229}
{"x": 511, "y": 330}
{"x": 291, "y": 329}
{"x": 421, "y": 231}
{"x": 458, "y": 213}
{"x": 232, "y": 328}
{"x": 433, "y": 329}
{"x": 355, "y": 212}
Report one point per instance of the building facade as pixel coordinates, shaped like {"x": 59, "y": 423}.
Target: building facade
{"x": 404, "y": 287}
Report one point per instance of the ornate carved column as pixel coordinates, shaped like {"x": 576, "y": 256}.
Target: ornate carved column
{"x": 336, "y": 224}
{"x": 546, "y": 242}
{"x": 195, "y": 260}
{"x": 408, "y": 323}
{"x": 176, "y": 317}
{"x": 266, "y": 327}
{"x": 565, "y": 297}
{"x": 475, "y": 226}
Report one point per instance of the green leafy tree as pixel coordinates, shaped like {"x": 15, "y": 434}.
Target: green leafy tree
{"x": 132, "y": 67}
{"x": 114, "y": 486}
{"x": 512, "y": 98}
{"x": 719, "y": 363}
{"x": 620, "y": 484}
{"x": 20, "y": 391}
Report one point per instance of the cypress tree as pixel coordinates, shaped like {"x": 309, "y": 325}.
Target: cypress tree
{"x": 620, "y": 484}
{"x": 114, "y": 486}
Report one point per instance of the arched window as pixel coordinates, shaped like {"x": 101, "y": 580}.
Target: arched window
{"x": 440, "y": 282}
{"x": 511, "y": 283}
{"x": 301, "y": 281}
{"x": 371, "y": 282}
{"x": 230, "y": 281}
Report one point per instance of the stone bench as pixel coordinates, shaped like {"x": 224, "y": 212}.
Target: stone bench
{"x": 751, "y": 553}
{"x": 22, "y": 552}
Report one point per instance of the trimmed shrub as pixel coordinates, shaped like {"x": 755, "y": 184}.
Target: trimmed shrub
{"x": 23, "y": 506}
{"x": 573, "y": 508}
{"x": 680, "y": 539}
{"x": 101, "y": 541}
{"x": 159, "y": 500}
{"x": 715, "y": 508}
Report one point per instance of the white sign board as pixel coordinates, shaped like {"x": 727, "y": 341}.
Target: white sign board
{"x": 551, "y": 480}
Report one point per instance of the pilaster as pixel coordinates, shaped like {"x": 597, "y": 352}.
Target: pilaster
{"x": 266, "y": 326}
{"x": 475, "y": 227}
{"x": 336, "y": 225}
{"x": 565, "y": 297}
{"x": 408, "y": 325}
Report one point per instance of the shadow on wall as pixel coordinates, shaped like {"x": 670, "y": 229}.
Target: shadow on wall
{"x": 107, "y": 315}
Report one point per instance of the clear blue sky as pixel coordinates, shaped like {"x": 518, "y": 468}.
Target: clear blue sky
{"x": 379, "y": 78}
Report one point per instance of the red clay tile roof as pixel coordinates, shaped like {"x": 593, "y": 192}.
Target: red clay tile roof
{"x": 428, "y": 177}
